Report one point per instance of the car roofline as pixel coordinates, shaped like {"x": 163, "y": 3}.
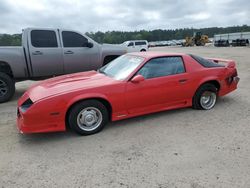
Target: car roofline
{"x": 150, "y": 54}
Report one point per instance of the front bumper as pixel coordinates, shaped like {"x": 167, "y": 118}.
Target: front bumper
{"x": 20, "y": 124}
{"x": 29, "y": 123}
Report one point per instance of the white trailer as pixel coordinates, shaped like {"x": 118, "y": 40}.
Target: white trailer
{"x": 232, "y": 36}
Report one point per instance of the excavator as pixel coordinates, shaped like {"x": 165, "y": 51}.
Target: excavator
{"x": 198, "y": 39}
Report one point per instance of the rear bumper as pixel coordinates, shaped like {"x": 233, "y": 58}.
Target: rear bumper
{"x": 229, "y": 87}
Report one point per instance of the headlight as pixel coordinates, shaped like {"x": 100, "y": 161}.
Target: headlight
{"x": 26, "y": 105}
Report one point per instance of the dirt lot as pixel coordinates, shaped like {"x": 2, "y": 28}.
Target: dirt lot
{"x": 180, "y": 148}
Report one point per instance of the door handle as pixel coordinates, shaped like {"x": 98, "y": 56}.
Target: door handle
{"x": 69, "y": 52}
{"x": 37, "y": 53}
{"x": 182, "y": 81}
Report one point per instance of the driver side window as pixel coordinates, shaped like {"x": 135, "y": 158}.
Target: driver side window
{"x": 162, "y": 66}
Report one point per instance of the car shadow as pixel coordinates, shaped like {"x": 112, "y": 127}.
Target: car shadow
{"x": 43, "y": 138}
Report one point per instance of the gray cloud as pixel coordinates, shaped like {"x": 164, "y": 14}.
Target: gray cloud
{"x": 127, "y": 15}
{"x": 4, "y": 8}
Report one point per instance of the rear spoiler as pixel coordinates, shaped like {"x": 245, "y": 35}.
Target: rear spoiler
{"x": 229, "y": 63}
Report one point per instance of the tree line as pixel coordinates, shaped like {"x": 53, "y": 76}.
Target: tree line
{"x": 10, "y": 40}
{"x": 117, "y": 37}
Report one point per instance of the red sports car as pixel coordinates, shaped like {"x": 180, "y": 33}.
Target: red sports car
{"x": 131, "y": 85}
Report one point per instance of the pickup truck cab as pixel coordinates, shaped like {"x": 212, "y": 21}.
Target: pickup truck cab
{"x": 50, "y": 52}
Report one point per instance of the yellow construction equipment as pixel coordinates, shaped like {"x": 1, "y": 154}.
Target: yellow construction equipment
{"x": 198, "y": 39}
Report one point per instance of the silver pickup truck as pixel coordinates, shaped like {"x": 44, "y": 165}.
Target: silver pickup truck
{"x": 50, "y": 52}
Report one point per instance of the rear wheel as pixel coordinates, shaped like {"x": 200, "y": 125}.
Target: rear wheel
{"x": 7, "y": 87}
{"x": 88, "y": 117}
{"x": 205, "y": 97}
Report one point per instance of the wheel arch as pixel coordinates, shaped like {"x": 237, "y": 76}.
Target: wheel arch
{"x": 103, "y": 100}
{"x": 5, "y": 68}
{"x": 213, "y": 81}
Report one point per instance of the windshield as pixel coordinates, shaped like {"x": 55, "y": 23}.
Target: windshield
{"x": 125, "y": 43}
{"x": 121, "y": 67}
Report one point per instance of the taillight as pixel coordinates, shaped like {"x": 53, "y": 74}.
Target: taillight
{"x": 230, "y": 79}
{"x": 26, "y": 105}
{"x": 235, "y": 73}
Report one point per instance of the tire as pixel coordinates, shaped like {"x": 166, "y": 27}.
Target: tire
{"x": 205, "y": 97}
{"x": 143, "y": 50}
{"x": 7, "y": 87}
{"x": 88, "y": 117}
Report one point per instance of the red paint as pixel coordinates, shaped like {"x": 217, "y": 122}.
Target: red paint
{"x": 53, "y": 97}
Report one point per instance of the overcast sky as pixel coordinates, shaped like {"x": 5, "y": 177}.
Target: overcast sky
{"x": 122, "y": 15}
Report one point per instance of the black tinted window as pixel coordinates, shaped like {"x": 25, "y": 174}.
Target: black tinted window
{"x": 140, "y": 43}
{"x": 72, "y": 39}
{"x": 43, "y": 39}
{"x": 205, "y": 62}
{"x": 131, "y": 44}
{"x": 163, "y": 66}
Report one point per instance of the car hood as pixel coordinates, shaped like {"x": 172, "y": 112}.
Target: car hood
{"x": 67, "y": 83}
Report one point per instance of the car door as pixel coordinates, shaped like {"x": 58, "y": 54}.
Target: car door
{"x": 164, "y": 86}
{"x": 77, "y": 54}
{"x": 45, "y": 53}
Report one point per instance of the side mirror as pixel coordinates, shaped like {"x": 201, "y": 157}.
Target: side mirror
{"x": 90, "y": 45}
{"x": 137, "y": 79}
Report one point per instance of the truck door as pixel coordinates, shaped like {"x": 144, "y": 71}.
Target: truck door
{"x": 79, "y": 53}
{"x": 45, "y": 53}
{"x": 138, "y": 46}
{"x": 131, "y": 47}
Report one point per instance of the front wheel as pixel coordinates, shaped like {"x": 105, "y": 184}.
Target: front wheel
{"x": 205, "y": 97}
{"x": 7, "y": 87}
{"x": 88, "y": 117}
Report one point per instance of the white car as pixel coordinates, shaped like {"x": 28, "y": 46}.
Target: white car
{"x": 136, "y": 45}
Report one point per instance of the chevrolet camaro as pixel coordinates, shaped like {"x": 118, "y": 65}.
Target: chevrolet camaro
{"x": 133, "y": 84}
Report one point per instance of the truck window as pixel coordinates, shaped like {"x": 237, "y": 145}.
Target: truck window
{"x": 43, "y": 39}
{"x": 72, "y": 39}
{"x": 140, "y": 43}
{"x": 131, "y": 44}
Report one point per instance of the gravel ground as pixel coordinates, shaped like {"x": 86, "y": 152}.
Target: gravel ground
{"x": 179, "y": 148}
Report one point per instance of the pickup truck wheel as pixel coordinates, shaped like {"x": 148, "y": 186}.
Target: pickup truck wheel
{"x": 205, "y": 97}
{"x": 7, "y": 87}
{"x": 88, "y": 117}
